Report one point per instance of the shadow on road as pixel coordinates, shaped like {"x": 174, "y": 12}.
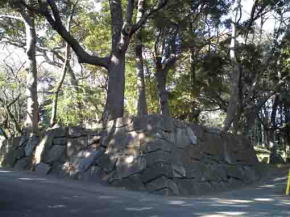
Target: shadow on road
{"x": 27, "y": 195}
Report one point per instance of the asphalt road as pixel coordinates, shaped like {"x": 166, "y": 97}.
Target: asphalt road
{"x": 24, "y": 194}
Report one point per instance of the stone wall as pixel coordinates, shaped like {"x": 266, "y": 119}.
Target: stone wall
{"x": 155, "y": 154}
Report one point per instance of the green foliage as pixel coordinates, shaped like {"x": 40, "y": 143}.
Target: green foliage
{"x": 96, "y": 30}
{"x": 4, "y": 3}
{"x": 131, "y": 89}
{"x": 82, "y": 107}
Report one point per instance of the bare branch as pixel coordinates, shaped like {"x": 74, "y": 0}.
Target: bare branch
{"x": 11, "y": 17}
{"x": 14, "y": 101}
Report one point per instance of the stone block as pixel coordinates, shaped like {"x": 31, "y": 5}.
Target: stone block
{"x": 163, "y": 183}
{"x": 19, "y": 153}
{"x": 93, "y": 174}
{"x": 132, "y": 182}
{"x": 42, "y": 168}
{"x": 185, "y": 186}
{"x": 198, "y": 130}
{"x": 88, "y": 160}
{"x": 156, "y": 170}
{"x": 10, "y": 157}
{"x": 182, "y": 139}
{"x": 250, "y": 174}
{"x": 153, "y": 123}
{"x": 212, "y": 147}
{"x": 120, "y": 140}
{"x": 94, "y": 139}
{"x": 233, "y": 182}
{"x": 44, "y": 145}
{"x": 179, "y": 124}
{"x": 77, "y": 131}
{"x": 169, "y": 137}
{"x": 235, "y": 171}
{"x": 211, "y": 173}
{"x": 23, "y": 164}
{"x": 56, "y": 153}
{"x": 57, "y": 132}
{"x": 126, "y": 168}
{"x": 106, "y": 163}
{"x": 178, "y": 171}
{"x": 157, "y": 144}
{"x": 74, "y": 145}
{"x": 200, "y": 188}
{"x": 195, "y": 170}
{"x": 157, "y": 156}
{"x": 31, "y": 145}
{"x": 191, "y": 135}
{"x": 60, "y": 141}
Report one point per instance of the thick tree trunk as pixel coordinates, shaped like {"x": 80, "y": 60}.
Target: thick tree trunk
{"x": 114, "y": 107}
{"x": 122, "y": 31}
{"x": 142, "y": 104}
{"x": 32, "y": 116}
{"x": 161, "y": 75}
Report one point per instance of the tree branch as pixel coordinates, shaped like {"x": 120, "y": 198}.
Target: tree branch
{"x": 147, "y": 14}
{"x": 13, "y": 101}
{"x": 130, "y": 8}
{"x": 55, "y": 21}
{"x": 11, "y": 17}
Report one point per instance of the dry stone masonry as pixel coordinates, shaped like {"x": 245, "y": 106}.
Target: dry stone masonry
{"x": 154, "y": 153}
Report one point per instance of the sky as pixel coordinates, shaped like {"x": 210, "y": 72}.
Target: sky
{"x": 246, "y": 8}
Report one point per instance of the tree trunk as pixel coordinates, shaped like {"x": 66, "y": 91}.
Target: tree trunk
{"x": 161, "y": 75}
{"x": 114, "y": 107}
{"x": 233, "y": 109}
{"x": 4, "y": 133}
{"x": 73, "y": 80}
{"x": 122, "y": 30}
{"x": 271, "y": 132}
{"x": 32, "y": 116}
{"x": 142, "y": 104}
{"x": 58, "y": 88}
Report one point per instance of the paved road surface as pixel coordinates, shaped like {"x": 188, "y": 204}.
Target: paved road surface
{"x": 24, "y": 194}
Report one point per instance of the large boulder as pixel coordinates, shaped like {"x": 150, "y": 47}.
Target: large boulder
{"x": 24, "y": 163}
{"x": 10, "y": 152}
{"x": 55, "y": 153}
